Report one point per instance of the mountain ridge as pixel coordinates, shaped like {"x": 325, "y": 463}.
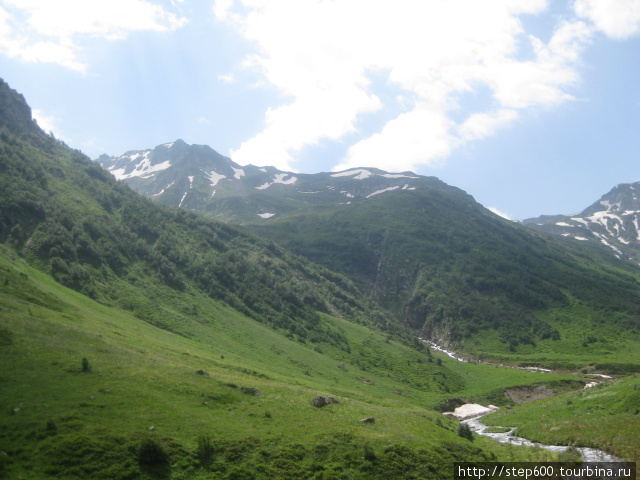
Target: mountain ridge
{"x": 612, "y": 222}
{"x": 199, "y": 178}
{"x": 421, "y": 249}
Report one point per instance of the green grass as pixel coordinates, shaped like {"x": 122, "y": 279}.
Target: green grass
{"x": 65, "y": 417}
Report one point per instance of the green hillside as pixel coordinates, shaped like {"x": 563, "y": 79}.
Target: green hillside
{"x": 91, "y": 391}
{"x": 466, "y": 278}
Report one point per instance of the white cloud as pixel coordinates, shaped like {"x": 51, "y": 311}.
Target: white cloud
{"x": 48, "y": 124}
{"x": 480, "y": 125}
{"x": 618, "y": 19}
{"x": 413, "y": 138}
{"x": 47, "y": 31}
{"x": 321, "y": 53}
{"x": 499, "y": 213}
{"x": 45, "y": 122}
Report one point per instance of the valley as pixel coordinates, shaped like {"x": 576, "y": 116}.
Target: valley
{"x": 186, "y": 330}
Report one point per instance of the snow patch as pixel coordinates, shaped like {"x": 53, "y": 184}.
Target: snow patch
{"x": 266, "y": 215}
{"x": 278, "y": 178}
{"x": 182, "y": 199}
{"x": 580, "y": 220}
{"x": 360, "y": 174}
{"x": 407, "y": 187}
{"x": 378, "y": 192}
{"x": 395, "y": 175}
{"x": 190, "y": 177}
{"x": 167, "y": 145}
{"x": 214, "y": 177}
{"x": 238, "y": 173}
{"x": 604, "y": 242}
{"x": 564, "y": 224}
{"x": 347, "y": 194}
{"x": 142, "y": 169}
{"x": 163, "y": 190}
{"x": 582, "y": 239}
{"x": 469, "y": 410}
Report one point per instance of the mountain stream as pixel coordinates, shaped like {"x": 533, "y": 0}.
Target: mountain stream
{"x": 476, "y": 425}
{"x": 587, "y": 454}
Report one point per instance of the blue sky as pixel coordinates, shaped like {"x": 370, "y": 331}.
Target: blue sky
{"x": 531, "y": 106}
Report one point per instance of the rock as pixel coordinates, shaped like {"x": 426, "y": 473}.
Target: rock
{"x": 202, "y": 372}
{"x": 152, "y": 428}
{"x": 250, "y": 391}
{"x": 321, "y": 401}
{"x": 368, "y": 420}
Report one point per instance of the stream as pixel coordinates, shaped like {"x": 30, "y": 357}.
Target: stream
{"x": 476, "y": 425}
{"x": 587, "y": 454}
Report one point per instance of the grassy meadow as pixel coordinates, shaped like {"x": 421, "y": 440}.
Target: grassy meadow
{"x": 90, "y": 391}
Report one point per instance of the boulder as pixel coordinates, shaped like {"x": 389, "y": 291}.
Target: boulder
{"x": 368, "y": 420}
{"x": 321, "y": 401}
{"x": 250, "y": 391}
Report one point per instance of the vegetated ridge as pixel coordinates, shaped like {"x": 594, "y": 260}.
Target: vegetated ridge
{"x": 451, "y": 270}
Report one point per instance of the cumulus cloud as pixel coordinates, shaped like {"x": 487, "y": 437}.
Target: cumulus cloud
{"x": 322, "y": 55}
{"x": 47, "y": 31}
{"x": 618, "y": 19}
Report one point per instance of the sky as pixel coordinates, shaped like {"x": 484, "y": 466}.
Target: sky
{"x": 531, "y": 106}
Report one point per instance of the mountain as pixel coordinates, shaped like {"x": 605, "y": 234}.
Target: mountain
{"x": 140, "y": 341}
{"x": 613, "y": 222}
{"x": 424, "y": 251}
{"x": 196, "y": 177}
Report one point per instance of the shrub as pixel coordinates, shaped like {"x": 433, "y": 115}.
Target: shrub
{"x": 151, "y": 454}
{"x": 86, "y": 366}
{"x": 205, "y": 449}
{"x": 465, "y": 432}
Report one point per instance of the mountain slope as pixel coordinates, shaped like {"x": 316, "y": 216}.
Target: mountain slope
{"x": 196, "y": 177}
{"x": 425, "y": 251}
{"x": 613, "y": 221}
{"x": 190, "y": 349}
{"x": 72, "y": 219}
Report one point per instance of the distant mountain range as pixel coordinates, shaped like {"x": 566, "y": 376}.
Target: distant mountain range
{"x": 613, "y": 221}
{"x": 196, "y": 177}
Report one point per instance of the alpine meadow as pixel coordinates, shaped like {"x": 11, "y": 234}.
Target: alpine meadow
{"x": 171, "y": 314}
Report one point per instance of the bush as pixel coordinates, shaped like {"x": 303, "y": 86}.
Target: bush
{"x": 465, "y": 432}
{"x": 205, "y": 449}
{"x": 151, "y": 454}
{"x": 86, "y": 366}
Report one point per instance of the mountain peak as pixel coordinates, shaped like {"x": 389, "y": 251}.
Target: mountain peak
{"x": 613, "y": 222}
{"x": 16, "y": 113}
{"x": 199, "y": 178}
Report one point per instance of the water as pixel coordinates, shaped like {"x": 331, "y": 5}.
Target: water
{"x": 587, "y": 454}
